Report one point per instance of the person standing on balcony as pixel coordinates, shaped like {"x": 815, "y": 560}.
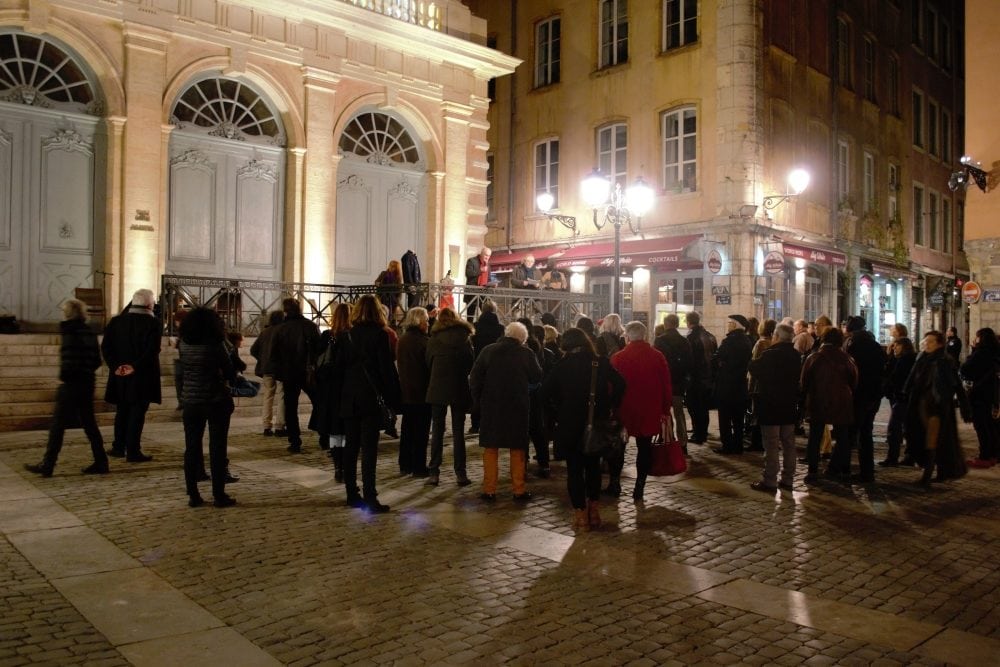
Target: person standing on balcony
{"x": 79, "y": 358}
{"x": 477, "y": 274}
{"x": 390, "y": 286}
{"x": 131, "y": 349}
{"x": 296, "y": 343}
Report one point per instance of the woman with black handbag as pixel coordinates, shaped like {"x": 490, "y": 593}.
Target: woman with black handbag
{"x": 370, "y": 384}
{"x": 567, "y": 390}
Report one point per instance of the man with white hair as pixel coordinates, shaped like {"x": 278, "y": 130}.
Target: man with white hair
{"x": 730, "y": 364}
{"x": 477, "y": 273}
{"x": 500, "y": 380}
{"x": 776, "y": 373}
{"x": 131, "y": 349}
{"x": 646, "y": 405}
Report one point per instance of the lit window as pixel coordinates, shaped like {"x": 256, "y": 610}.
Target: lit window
{"x": 612, "y": 152}
{"x": 547, "y": 170}
{"x": 680, "y": 144}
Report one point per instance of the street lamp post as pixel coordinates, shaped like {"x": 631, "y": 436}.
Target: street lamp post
{"x": 622, "y": 207}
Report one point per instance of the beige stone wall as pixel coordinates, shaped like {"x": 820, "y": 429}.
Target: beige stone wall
{"x": 317, "y": 68}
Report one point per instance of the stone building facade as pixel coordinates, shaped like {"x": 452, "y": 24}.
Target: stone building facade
{"x": 713, "y": 104}
{"x": 243, "y": 139}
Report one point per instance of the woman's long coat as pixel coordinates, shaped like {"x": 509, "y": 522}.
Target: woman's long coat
{"x": 828, "y": 381}
{"x": 500, "y": 380}
{"x": 449, "y": 356}
{"x": 567, "y": 390}
{"x": 325, "y": 418}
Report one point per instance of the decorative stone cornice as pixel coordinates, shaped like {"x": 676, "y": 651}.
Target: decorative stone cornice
{"x": 67, "y": 140}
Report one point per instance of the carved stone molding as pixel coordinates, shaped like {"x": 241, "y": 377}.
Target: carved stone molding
{"x": 264, "y": 171}
{"x": 191, "y": 158}
{"x": 67, "y": 140}
{"x": 403, "y": 190}
{"x": 352, "y": 182}
{"x": 28, "y": 95}
{"x": 6, "y": 138}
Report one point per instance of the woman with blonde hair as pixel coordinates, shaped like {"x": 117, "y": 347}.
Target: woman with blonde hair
{"x": 79, "y": 358}
{"x": 390, "y": 284}
{"x": 449, "y": 356}
{"x": 325, "y": 418}
{"x": 369, "y": 372}
{"x": 611, "y": 336}
{"x": 414, "y": 376}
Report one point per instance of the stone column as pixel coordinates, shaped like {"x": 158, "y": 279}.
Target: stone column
{"x": 309, "y": 250}
{"x": 462, "y": 227}
{"x": 143, "y": 225}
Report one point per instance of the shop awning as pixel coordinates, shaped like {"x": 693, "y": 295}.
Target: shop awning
{"x": 817, "y": 255}
{"x": 655, "y": 253}
{"x": 890, "y": 271}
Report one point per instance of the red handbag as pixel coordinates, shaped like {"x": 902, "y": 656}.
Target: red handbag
{"x": 668, "y": 457}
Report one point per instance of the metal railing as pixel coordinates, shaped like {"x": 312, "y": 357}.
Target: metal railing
{"x": 244, "y": 304}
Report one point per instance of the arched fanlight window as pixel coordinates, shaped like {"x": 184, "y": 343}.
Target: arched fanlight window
{"x": 380, "y": 139}
{"x": 227, "y": 108}
{"x": 37, "y": 72}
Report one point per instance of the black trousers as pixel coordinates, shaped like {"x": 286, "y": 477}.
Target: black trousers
{"x": 698, "y": 402}
{"x": 537, "y": 432}
{"x": 732, "y": 416}
{"x": 987, "y": 430}
{"x": 291, "y": 403}
{"x": 361, "y": 438}
{"x": 74, "y": 404}
{"x": 894, "y": 430}
{"x": 196, "y": 417}
{"x": 860, "y": 435}
{"x": 816, "y": 429}
{"x": 414, "y": 435}
{"x": 583, "y": 478}
{"x": 130, "y": 418}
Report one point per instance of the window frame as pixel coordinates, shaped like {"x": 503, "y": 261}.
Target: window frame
{"x": 609, "y": 53}
{"x": 892, "y": 189}
{"x": 843, "y": 171}
{"x": 892, "y": 84}
{"x": 682, "y": 24}
{"x": 549, "y": 173}
{"x": 812, "y": 294}
{"x": 868, "y": 182}
{"x": 548, "y": 56}
{"x": 933, "y": 132}
{"x": 917, "y": 213}
{"x": 946, "y": 138}
{"x": 679, "y": 184}
{"x": 843, "y": 46}
{"x": 614, "y": 176}
{"x": 918, "y": 134}
{"x": 933, "y": 228}
{"x": 946, "y": 226}
{"x": 869, "y": 68}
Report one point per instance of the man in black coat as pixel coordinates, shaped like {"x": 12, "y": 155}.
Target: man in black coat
{"x": 677, "y": 350}
{"x": 699, "y": 389}
{"x": 411, "y": 277}
{"x": 477, "y": 274}
{"x": 869, "y": 357}
{"x": 131, "y": 349}
{"x": 730, "y": 364}
{"x": 776, "y": 373}
{"x": 293, "y": 359}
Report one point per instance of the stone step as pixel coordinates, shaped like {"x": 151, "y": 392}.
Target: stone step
{"x": 8, "y": 350}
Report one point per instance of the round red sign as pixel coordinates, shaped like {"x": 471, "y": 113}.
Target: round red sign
{"x": 971, "y": 292}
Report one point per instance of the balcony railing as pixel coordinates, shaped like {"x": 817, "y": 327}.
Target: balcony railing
{"x": 244, "y": 304}
{"x": 418, "y": 12}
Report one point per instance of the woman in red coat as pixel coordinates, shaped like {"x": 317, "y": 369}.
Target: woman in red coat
{"x": 647, "y": 402}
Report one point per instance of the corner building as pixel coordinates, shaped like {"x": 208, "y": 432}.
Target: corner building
{"x": 292, "y": 141}
{"x": 713, "y": 104}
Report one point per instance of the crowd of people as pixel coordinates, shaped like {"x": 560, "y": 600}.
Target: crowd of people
{"x": 526, "y": 385}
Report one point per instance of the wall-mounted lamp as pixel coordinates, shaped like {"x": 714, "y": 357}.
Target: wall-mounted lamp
{"x": 545, "y": 201}
{"x": 969, "y": 171}
{"x": 798, "y": 181}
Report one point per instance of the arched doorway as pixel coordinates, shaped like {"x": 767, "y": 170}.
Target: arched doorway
{"x": 381, "y": 194}
{"x": 52, "y": 164}
{"x": 227, "y": 171}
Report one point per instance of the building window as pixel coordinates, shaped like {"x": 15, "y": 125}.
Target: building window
{"x": 917, "y": 25}
{"x": 932, "y": 220}
{"x": 844, "y": 53}
{"x": 680, "y": 23}
{"x": 893, "y": 189}
{"x": 932, "y": 128}
{"x": 231, "y": 109}
{"x": 892, "y": 86}
{"x": 869, "y": 70}
{"x": 775, "y": 297}
{"x": 547, "y": 34}
{"x": 945, "y": 136}
{"x": 944, "y": 37}
{"x": 491, "y": 211}
{"x": 813, "y": 295}
{"x": 931, "y": 33}
{"x": 614, "y": 32}
{"x": 547, "y": 170}
{"x": 946, "y": 232}
{"x": 869, "y": 183}
{"x": 34, "y": 71}
{"x": 680, "y": 165}
{"x": 843, "y": 172}
{"x": 918, "y": 119}
{"x": 918, "y": 215}
{"x": 693, "y": 292}
{"x": 612, "y": 152}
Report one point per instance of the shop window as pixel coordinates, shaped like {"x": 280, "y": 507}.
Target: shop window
{"x": 775, "y": 297}
{"x": 813, "y": 295}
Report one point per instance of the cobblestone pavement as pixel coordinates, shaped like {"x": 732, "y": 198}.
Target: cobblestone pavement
{"x": 117, "y": 569}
